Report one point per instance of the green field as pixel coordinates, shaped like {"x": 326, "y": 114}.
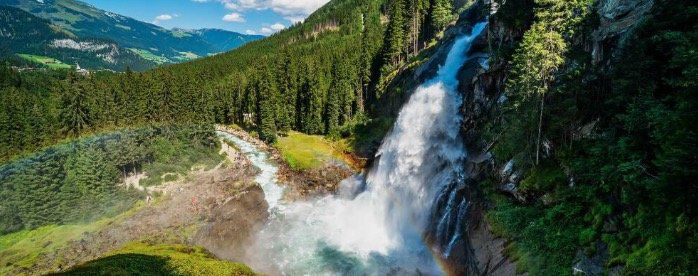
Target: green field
{"x": 302, "y": 151}
{"x": 48, "y": 61}
{"x": 185, "y": 56}
{"x": 148, "y": 55}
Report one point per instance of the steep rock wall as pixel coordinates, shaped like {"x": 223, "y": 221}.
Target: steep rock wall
{"x": 483, "y": 90}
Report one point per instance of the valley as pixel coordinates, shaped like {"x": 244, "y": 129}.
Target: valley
{"x": 79, "y": 33}
{"x": 379, "y": 137}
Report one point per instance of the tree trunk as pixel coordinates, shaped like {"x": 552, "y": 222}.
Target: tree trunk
{"x": 540, "y": 127}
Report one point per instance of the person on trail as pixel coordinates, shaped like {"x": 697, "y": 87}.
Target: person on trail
{"x": 195, "y": 203}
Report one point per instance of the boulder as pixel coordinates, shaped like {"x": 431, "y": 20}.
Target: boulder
{"x": 231, "y": 224}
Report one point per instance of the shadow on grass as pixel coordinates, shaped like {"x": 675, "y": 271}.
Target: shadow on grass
{"x": 124, "y": 264}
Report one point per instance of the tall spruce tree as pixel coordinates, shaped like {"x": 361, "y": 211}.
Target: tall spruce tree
{"x": 74, "y": 112}
{"x": 266, "y": 106}
{"x": 395, "y": 38}
{"x": 441, "y": 14}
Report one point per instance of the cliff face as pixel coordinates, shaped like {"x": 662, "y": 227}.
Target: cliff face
{"x": 617, "y": 18}
{"x": 483, "y": 85}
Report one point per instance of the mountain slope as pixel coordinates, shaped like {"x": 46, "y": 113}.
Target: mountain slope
{"x": 147, "y": 40}
{"x": 25, "y": 35}
{"x": 223, "y": 40}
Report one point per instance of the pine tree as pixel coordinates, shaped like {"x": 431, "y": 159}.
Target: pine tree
{"x": 267, "y": 106}
{"x": 441, "y": 14}
{"x": 287, "y": 93}
{"x": 312, "y": 107}
{"x": 75, "y": 115}
{"x": 395, "y": 35}
{"x": 332, "y": 107}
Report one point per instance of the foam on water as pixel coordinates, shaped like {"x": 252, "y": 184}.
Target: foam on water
{"x": 267, "y": 177}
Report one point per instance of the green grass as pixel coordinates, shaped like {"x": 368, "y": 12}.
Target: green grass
{"x": 180, "y": 33}
{"x": 148, "y": 55}
{"x": 303, "y": 152}
{"x": 185, "y": 56}
{"x": 47, "y": 61}
{"x": 144, "y": 259}
{"x": 22, "y": 249}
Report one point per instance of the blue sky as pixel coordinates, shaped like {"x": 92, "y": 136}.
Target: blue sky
{"x": 244, "y": 16}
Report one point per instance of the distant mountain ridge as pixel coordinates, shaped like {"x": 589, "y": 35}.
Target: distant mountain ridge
{"x": 153, "y": 44}
{"x": 27, "y": 39}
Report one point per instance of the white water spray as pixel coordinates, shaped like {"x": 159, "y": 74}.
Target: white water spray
{"x": 381, "y": 229}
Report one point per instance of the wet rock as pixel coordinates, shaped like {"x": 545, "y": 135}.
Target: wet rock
{"x": 231, "y": 224}
{"x": 351, "y": 187}
{"x": 481, "y": 43}
{"x": 508, "y": 169}
{"x": 610, "y": 225}
{"x": 489, "y": 251}
{"x": 510, "y": 178}
{"x": 313, "y": 182}
{"x": 512, "y": 189}
{"x": 593, "y": 265}
{"x": 617, "y": 19}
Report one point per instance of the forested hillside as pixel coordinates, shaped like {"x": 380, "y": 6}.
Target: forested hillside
{"x": 314, "y": 77}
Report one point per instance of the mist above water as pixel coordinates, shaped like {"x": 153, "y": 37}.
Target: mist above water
{"x": 375, "y": 225}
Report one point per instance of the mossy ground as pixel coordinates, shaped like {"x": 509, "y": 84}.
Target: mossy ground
{"x": 303, "y": 152}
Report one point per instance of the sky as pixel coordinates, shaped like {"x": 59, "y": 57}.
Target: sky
{"x": 262, "y": 17}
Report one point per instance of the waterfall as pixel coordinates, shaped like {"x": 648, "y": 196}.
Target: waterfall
{"x": 381, "y": 229}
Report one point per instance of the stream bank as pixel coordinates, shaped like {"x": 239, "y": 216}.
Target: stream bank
{"x": 300, "y": 183}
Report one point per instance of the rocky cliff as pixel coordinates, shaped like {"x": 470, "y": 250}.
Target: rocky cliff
{"x": 483, "y": 86}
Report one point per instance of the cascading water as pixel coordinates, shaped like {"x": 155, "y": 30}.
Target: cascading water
{"x": 381, "y": 229}
{"x": 267, "y": 175}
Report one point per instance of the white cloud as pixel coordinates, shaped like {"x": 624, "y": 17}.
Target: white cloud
{"x": 233, "y": 17}
{"x": 164, "y": 17}
{"x": 277, "y": 27}
{"x": 269, "y": 29}
{"x": 250, "y": 32}
{"x": 292, "y": 10}
{"x": 266, "y": 31}
{"x": 296, "y": 10}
